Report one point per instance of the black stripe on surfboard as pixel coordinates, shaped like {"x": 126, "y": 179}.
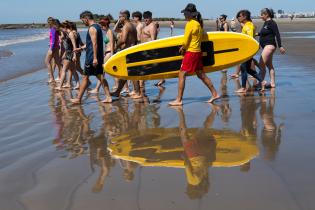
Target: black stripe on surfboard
{"x": 156, "y": 68}
{"x": 226, "y": 51}
{"x": 165, "y": 52}
{"x": 164, "y": 67}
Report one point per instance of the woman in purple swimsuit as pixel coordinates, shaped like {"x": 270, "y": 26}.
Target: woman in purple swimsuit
{"x": 53, "y": 51}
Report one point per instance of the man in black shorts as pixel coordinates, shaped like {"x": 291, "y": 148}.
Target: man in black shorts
{"x": 94, "y": 57}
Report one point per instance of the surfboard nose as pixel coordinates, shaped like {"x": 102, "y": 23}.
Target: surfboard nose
{"x": 115, "y": 68}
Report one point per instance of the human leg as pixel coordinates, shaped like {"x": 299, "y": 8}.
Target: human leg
{"x": 181, "y": 87}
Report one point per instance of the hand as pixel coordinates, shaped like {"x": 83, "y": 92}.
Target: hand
{"x": 182, "y": 50}
{"x": 74, "y": 59}
{"x": 95, "y": 62}
{"x": 282, "y": 50}
{"x": 77, "y": 49}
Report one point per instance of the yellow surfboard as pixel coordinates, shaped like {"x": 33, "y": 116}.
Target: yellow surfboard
{"x": 162, "y": 147}
{"x": 160, "y": 59}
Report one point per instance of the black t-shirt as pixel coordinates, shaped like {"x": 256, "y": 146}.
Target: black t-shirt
{"x": 269, "y": 33}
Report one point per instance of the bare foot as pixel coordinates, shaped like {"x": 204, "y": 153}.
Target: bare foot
{"x": 124, "y": 91}
{"x": 135, "y": 96}
{"x": 241, "y": 90}
{"x": 160, "y": 83}
{"x": 51, "y": 81}
{"x": 176, "y": 103}
{"x": 132, "y": 93}
{"x": 115, "y": 94}
{"x": 75, "y": 101}
{"x": 66, "y": 86}
{"x": 213, "y": 99}
{"x": 114, "y": 88}
{"x": 58, "y": 88}
{"x": 234, "y": 75}
{"x": 177, "y": 108}
{"x": 263, "y": 85}
{"x": 108, "y": 100}
{"x": 77, "y": 87}
{"x": 94, "y": 91}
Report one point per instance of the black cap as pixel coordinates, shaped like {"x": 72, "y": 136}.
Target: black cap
{"x": 190, "y": 10}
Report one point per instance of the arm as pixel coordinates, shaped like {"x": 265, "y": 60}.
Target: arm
{"x": 153, "y": 32}
{"x": 111, "y": 41}
{"x": 53, "y": 32}
{"x": 249, "y": 31}
{"x": 275, "y": 29}
{"x": 139, "y": 32}
{"x": 187, "y": 37}
{"x": 226, "y": 27}
{"x": 74, "y": 44}
{"x": 93, "y": 35}
{"x": 116, "y": 29}
{"x": 123, "y": 37}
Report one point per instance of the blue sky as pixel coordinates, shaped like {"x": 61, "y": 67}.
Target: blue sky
{"x": 27, "y": 11}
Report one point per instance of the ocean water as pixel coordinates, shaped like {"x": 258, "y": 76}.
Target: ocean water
{"x": 23, "y": 50}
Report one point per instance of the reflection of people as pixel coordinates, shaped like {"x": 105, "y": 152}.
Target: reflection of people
{"x": 128, "y": 169}
{"x": 248, "y": 108}
{"x": 199, "y": 151}
{"x": 73, "y": 126}
{"x": 271, "y": 133}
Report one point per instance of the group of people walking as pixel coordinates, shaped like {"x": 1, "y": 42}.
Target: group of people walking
{"x": 102, "y": 42}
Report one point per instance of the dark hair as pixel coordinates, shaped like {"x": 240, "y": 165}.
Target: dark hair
{"x": 87, "y": 14}
{"x": 147, "y": 14}
{"x": 50, "y": 19}
{"x": 66, "y": 24}
{"x": 73, "y": 26}
{"x": 126, "y": 13}
{"x": 269, "y": 12}
{"x": 105, "y": 21}
{"x": 223, "y": 16}
{"x": 137, "y": 14}
{"x": 199, "y": 19}
{"x": 244, "y": 13}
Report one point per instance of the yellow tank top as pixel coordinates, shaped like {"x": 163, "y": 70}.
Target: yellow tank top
{"x": 249, "y": 29}
{"x": 193, "y": 36}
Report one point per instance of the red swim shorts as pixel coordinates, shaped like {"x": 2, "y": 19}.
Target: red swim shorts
{"x": 192, "y": 62}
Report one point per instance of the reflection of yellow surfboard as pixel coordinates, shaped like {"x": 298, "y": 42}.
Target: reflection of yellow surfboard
{"x": 163, "y": 147}
{"x": 161, "y": 59}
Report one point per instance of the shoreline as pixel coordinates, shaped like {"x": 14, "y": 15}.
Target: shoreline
{"x": 178, "y": 24}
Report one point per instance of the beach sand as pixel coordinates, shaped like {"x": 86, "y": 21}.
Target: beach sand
{"x": 258, "y": 148}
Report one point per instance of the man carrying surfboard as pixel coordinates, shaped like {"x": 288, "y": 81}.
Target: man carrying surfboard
{"x": 128, "y": 39}
{"x": 192, "y": 62}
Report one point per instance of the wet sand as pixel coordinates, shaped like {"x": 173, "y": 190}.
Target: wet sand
{"x": 244, "y": 152}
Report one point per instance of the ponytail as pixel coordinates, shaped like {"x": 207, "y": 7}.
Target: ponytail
{"x": 268, "y": 12}
{"x": 199, "y": 19}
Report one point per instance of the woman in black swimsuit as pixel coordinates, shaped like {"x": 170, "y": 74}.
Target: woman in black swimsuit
{"x": 69, "y": 57}
{"x": 222, "y": 24}
{"x": 269, "y": 40}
